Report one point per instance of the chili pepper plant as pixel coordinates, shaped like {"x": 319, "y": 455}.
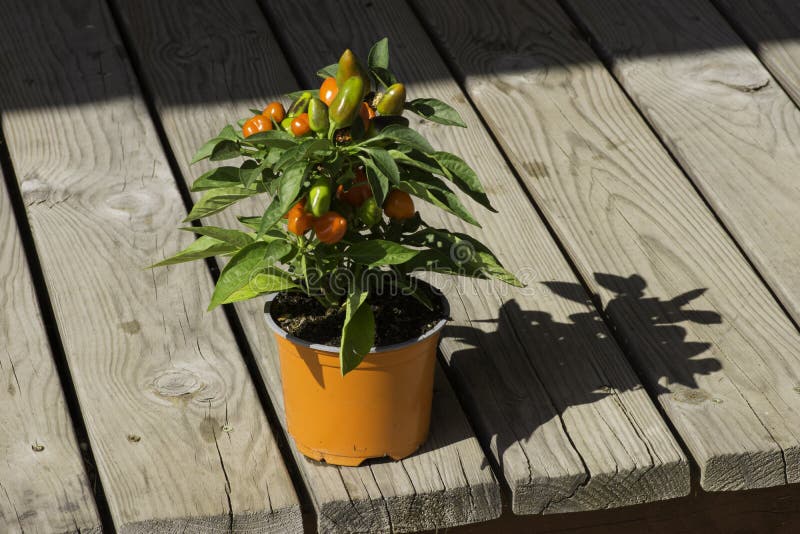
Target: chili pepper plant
{"x": 341, "y": 170}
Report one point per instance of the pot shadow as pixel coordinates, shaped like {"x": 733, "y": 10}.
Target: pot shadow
{"x": 531, "y": 367}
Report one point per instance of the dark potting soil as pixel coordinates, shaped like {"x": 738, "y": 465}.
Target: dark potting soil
{"x": 398, "y": 318}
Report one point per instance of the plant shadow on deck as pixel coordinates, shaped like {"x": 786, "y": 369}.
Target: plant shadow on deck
{"x": 584, "y": 347}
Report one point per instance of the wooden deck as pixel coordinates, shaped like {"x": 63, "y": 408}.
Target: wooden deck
{"x": 645, "y": 161}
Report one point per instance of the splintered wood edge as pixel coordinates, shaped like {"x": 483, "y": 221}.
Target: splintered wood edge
{"x": 287, "y": 519}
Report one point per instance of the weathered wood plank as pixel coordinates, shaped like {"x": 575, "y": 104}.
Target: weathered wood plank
{"x": 184, "y": 49}
{"x": 728, "y": 123}
{"x": 772, "y": 28}
{"x": 43, "y": 486}
{"x": 175, "y": 423}
{"x": 547, "y": 388}
{"x": 722, "y": 361}
{"x": 761, "y": 511}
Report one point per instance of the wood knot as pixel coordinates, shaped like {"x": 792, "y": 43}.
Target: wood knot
{"x": 131, "y": 327}
{"x": 139, "y": 208}
{"x": 35, "y": 190}
{"x": 536, "y": 169}
{"x": 178, "y": 386}
{"x": 740, "y": 77}
{"x": 177, "y": 383}
{"x": 691, "y": 396}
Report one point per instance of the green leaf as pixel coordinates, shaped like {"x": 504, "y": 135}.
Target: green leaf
{"x": 378, "y": 181}
{"x": 239, "y": 275}
{"x": 273, "y": 138}
{"x": 294, "y": 95}
{"x": 403, "y": 135}
{"x": 403, "y": 282}
{"x": 384, "y": 171}
{"x": 384, "y": 162}
{"x": 379, "y": 54}
{"x": 290, "y": 183}
{"x": 464, "y": 254}
{"x": 461, "y": 174}
{"x": 252, "y": 222}
{"x": 434, "y": 190}
{"x": 415, "y": 160}
{"x": 216, "y": 200}
{"x": 436, "y": 111}
{"x": 358, "y": 332}
{"x": 377, "y": 252}
{"x": 434, "y": 261}
{"x": 207, "y": 149}
{"x": 226, "y": 134}
{"x": 219, "y": 177}
{"x": 249, "y": 172}
{"x": 203, "y": 247}
{"x": 272, "y": 215}
{"x": 314, "y": 148}
{"x": 277, "y": 251}
{"x": 384, "y": 76}
{"x": 328, "y": 71}
{"x": 289, "y": 157}
{"x": 269, "y": 280}
{"x": 225, "y": 150}
{"x": 233, "y": 237}
{"x": 274, "y": 154}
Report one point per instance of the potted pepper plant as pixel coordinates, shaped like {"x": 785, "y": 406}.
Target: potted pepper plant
{"x": 336, "y": 250}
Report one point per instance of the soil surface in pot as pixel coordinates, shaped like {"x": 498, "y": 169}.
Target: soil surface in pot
{"x": 398, "y": 318}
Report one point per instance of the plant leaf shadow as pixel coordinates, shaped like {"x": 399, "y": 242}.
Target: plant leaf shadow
{"x": 569, "y": 358}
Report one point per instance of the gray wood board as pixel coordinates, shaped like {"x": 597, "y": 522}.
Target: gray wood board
{"x": 548, "y": 390}
{"x": 206, "y": 65}
{"x": 699, "y": 325}
{"x": 43, "y": 485}
{"x": 157, "y": 377}
{"x": 732, "y": 128}
{"x": 772, "y": 29}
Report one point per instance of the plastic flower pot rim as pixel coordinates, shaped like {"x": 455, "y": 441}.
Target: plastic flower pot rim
{"x": 330, "y": 348}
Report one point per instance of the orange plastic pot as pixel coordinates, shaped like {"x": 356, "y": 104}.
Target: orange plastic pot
{"x": 381, "y": 408}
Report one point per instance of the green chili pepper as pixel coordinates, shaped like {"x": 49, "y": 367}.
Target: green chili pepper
{"x": 369, "y": 212}
{"x": 348, "y": 67}
{"x": 286, "y": 124}
{"x": 317, "y": 115}
{"x": 319, "y": 197}
{"x": 299, "y": 106}
{"x": 393, "y": 100}
{"x": 344, "y": 108}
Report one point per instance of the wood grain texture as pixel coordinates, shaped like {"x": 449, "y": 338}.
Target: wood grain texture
{"x": 772, "y": 29}
{"x": 174, "y": 421}
{"x": 547, "y": 389}
{"x": 449, "y": 481}
{"x": 697, "y": 322}
{"x": 41, "y": 490}
{"x": 727, "y": 122}
{"x": 773, "y": 510}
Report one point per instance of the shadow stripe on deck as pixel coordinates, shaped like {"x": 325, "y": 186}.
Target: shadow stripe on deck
{"x": 688, "y": 308}
{"x": 449, "y": 482}
{"x": 546, "y": 387}
{"x": 156, "y": 377}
